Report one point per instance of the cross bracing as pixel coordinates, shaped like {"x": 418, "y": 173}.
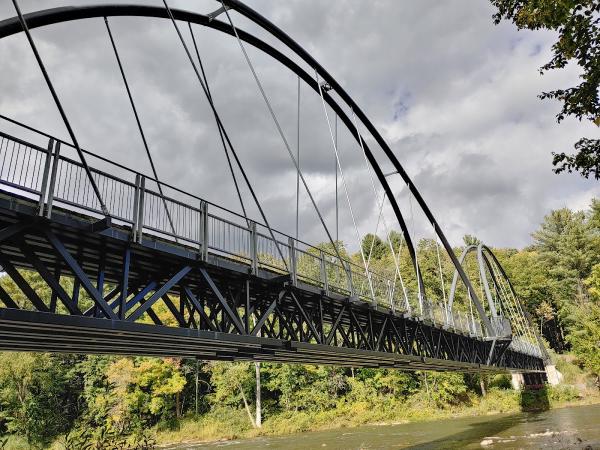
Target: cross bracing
{"x": 213, "y": 281}
{"x": 295, "y": 292}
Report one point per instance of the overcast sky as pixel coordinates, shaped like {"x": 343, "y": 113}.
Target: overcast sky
{"x": 454, "y": 96}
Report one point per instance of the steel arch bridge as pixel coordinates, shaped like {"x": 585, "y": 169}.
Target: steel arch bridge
{"x": 111, "y": 249}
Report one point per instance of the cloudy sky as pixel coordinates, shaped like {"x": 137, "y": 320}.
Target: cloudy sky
{"x": 454, "y": 96}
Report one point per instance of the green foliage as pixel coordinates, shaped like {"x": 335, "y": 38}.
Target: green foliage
{"x": 535, "y": 399}
{"x": 231, "y": 382}
{"x": 110, "y": 402}
{"x": 566, "y": 247}
{"x": 446, "y": 388}
{"x": 374, "y": 247}
{"x": 470, "y": 240}
{"x": 36, "y": 395}
{"x": 562, "y": 393}
{"x": 585, "y": 337}
{"x": 577, "y": 25}
{"x": 389, "y": 382}
{"x": 304, "y": 387}
{"x": 144, "y": 390}
{"x": 500, "y": 381}
{"x": 106, "y": 439}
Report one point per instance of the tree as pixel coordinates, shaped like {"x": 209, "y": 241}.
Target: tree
{"x": 577, "y": 23}
{"x": 530, "y": 278}
{"x": 231, "y": 383}
{"x": 395, "y": 239}
{"x": 585, "y": 339}
{"x": 373, "y": 247}
{"x": 36, "y": 395}
{"x": 445, "y": 388}
{"x": 469, "y": 239}
{"x": 568, "y": 248}
{"x": 304, "y": 387}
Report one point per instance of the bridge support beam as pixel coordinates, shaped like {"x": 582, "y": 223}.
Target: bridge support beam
{"x": 165, "y": 294}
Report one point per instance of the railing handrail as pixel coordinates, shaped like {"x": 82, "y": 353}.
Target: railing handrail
{"x": 170, "y": 199}
{"x": 151, "y": 178}
{"x": 22, "y": 142}
{"x": 348, "y": 276}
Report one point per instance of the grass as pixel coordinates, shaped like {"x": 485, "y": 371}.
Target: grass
{"x": 14, "y": 443}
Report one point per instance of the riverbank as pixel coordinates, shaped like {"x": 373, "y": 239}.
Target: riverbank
{"x": 573, "y": 427}
{"x": 228, "y": 424}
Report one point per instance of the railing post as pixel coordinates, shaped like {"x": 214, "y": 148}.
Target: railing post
{"x": 203, "y": 231}
{"x": 45, "y": 175}
{"x": 136, "y": 206}
{"x": 391, "y": 296}
{"x": 323, "y": 269}
{"x": 52, "y": 180}
{"x": 348, "y": 270}
{"x": 254, "y": 247}
{"x": 293, "y": 262}
{"x": 140, "y": 218}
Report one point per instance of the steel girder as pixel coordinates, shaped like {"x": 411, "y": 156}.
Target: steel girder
{"x": 65, "y": 14}
{"x": 157, "y": 298}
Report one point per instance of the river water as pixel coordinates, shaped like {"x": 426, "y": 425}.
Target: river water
{"x": 568, "y": 428}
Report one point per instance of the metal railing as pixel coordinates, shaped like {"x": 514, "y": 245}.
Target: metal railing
{"x": 49, "y": 176}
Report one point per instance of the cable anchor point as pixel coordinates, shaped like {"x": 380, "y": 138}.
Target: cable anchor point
{"x": 326, "y": 87}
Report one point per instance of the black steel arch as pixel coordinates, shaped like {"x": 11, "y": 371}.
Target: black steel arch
{"x": 484, "y": 253}
{"x": 64, "y": 14}
{"x": 490, "y": 253}
{"x": 485, "y": 258}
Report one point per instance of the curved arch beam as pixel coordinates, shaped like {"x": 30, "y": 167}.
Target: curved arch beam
{"x": 58, "y": 15}
{"x": 541, "y": 344}
{"x": 461, "y": 259}
{"x": 279, "y": 34}
{"x": 482, "y": 261}
{"x": 484, "y": 281}
{"x": 64, "y": 14}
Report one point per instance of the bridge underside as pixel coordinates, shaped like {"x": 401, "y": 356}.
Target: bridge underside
{"x": 158, "y": 298}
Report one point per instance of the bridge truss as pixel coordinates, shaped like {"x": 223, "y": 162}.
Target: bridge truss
{"x": 151, "y": 274}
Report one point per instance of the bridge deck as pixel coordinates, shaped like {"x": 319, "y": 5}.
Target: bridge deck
{"x": 363, "y": 335}
{"x": 214, "y": 289}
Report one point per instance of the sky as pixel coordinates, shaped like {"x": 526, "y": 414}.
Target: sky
{"x": 454, "y": 96}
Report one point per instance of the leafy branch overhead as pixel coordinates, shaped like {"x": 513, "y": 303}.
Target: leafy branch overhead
{"x": 577, "y": 24}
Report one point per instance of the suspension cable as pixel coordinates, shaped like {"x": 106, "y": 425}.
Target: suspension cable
{"x": 412, "y": 218}
{"x": 509, "y": 305}
{"x": 437, "y": 248}
{"x": 139, "y": 125}
{"x": 381, "y": 203}
{"x": 518, "y": 315}
{"x": 399, "y": 275}
{"x": 471, "y": 308}
{"x": 335, "y": 169}
{"x": 298, "y": 159}
{"x": 375, "y": 234}
{"x": 280, "y": 131}
{"x": 220, "y": 124}
{"x": 528, "y": 327}
{"x": 343, "y": 179}
{"x": 521, "y": 312}
{"x": 235, "y": 182}
{"x": 60, "y": 108}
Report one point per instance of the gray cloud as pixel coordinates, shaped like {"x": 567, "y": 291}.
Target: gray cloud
{"x": 454, "y": 95}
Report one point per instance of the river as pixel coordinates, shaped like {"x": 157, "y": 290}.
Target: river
{"x": 569, "y": 428}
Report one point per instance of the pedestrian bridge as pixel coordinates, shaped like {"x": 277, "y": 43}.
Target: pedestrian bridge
{"x": 132, "y": 265}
